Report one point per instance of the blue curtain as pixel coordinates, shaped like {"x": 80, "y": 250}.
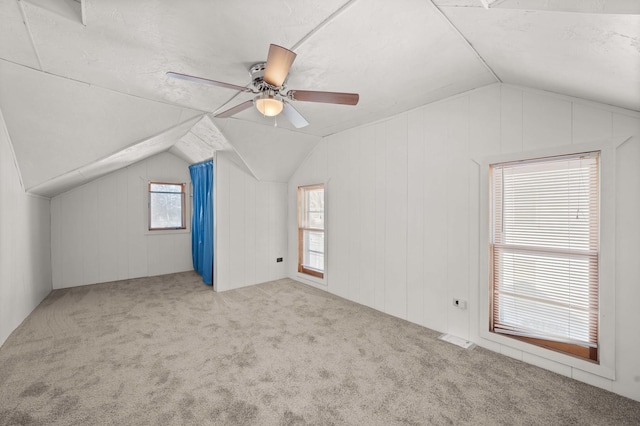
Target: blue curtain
{"x": 202, "y": 220}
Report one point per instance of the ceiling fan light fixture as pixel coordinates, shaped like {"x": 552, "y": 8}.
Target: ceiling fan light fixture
{"x": 268, "y": 105}
{"x": 268, "y": 83}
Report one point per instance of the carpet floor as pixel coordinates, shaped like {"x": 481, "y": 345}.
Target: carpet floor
{"x": 168, "y": 350}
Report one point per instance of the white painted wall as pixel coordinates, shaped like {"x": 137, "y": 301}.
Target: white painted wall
{"x": 25, "y": 249}
{"x": 250, "y": 227}
{"x": 404, "y": 202}
{"x": 99, "y": 230}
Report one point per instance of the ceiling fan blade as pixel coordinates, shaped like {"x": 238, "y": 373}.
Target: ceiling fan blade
{"x": 325, "y": 97}
{"x": 294, "y": 116}
{"x": 278, "y": 64}
{"x": 236, "y": 109}
{"x": 207, "y": 81}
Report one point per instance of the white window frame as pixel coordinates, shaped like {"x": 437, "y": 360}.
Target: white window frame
{"x": 186, "y": 208}
{"x": 536, "y": 354}
{"x": 504, "y": 250}
{"x": 303, "y": 276}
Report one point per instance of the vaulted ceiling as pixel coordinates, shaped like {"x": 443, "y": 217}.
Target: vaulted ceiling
{"x": 83, "y": 89}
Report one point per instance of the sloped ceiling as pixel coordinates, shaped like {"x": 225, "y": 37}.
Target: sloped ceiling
{"x": 593, "y": 56}
{"x": 83, "y": 89}
{"x": 57, "y": 124}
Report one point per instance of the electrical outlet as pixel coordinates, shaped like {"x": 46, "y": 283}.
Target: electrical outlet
{"x": 279, "y": 260}
{"x": 458, "y": 303}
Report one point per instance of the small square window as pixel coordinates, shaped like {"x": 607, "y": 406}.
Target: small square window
{"x": 166, "y": 206}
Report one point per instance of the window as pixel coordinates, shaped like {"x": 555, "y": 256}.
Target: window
{"x": 544, "y": 252}
{"x": 311, "y": 230}
{"x": 166, "y": 206}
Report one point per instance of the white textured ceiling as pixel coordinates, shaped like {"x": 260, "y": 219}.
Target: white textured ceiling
{"x": 587, "y": 55}
{"x": 83, "y": 89}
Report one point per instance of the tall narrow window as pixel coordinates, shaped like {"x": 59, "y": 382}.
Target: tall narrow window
{"x": 311, "y": 230}
{"x": 166, "y": 206}
{"x": 544, "y": 252}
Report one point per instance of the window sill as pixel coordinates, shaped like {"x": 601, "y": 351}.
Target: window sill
{"x": 601, "y": 369}
{"x": 168, "y": 232}
{"x": 311, "y": 280}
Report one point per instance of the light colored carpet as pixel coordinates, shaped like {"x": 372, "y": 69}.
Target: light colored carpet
{"x": 168, "y": 350}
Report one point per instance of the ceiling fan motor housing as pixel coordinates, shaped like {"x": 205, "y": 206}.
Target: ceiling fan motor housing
{"x": 257, "y": 78}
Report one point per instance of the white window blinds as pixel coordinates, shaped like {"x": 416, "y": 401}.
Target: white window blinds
{"x": 544, "y": 249}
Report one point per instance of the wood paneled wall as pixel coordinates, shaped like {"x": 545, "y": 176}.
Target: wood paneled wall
{"x": 404, "y": 203}
{"x": 99, "y": 231}
{"x": 25, "y": 248}
{"x": 250, "y": 227}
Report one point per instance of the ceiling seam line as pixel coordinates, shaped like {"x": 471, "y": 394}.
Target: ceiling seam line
{"x": 14, "y": 158}
{"x": 263, "y": 123}
{"x": 202, "y": 140}
{"x": 33, "y": 43}
{"x": 467, "y": 42}
{"x": 323, "y": 24}
{"x": 173, "y": 104}
{"x": 228, "y": 101}
{"x": 253, "y": 173}
{"x": 106, "y": 157}
{"x": 496, "y": 3}
{"x": 180, "y": 115}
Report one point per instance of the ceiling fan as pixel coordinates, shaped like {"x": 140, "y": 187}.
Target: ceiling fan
{"x": 268, "y": 83}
